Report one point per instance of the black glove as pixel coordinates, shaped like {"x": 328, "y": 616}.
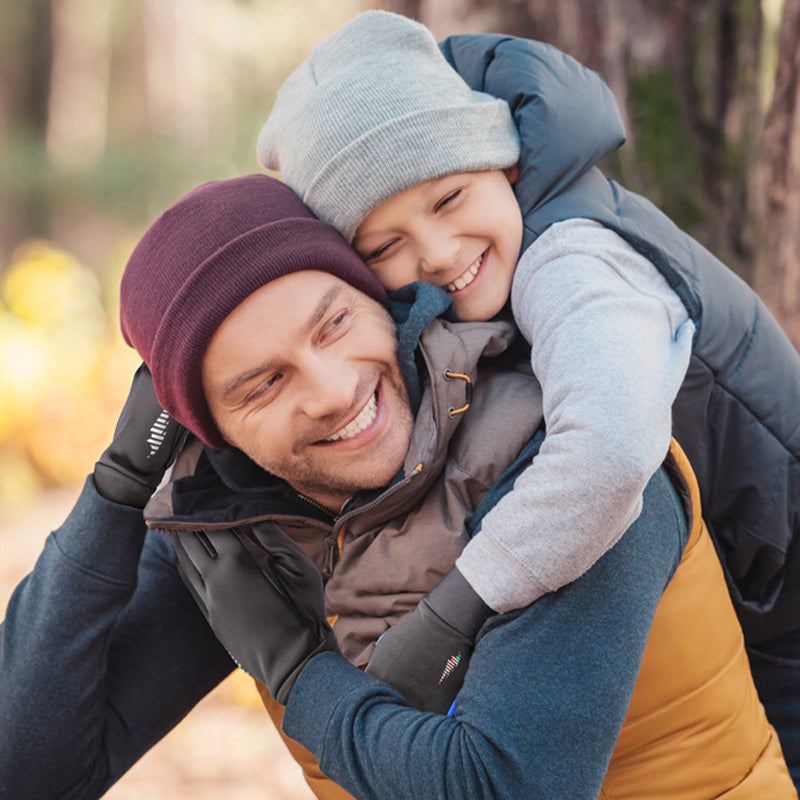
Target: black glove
{"x": 263, "y": 598}
{"x": 425, "y": 655}
{"x": 146, "y": 441}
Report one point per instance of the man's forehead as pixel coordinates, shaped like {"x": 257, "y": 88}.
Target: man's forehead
{"x": 280, "y": 314}
{"x": 309, "y": 284}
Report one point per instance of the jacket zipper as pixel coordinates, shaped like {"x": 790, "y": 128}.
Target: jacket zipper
{"x": 378, "y": 501}
{"x": 332, "y": 540}
{"x": 328, "y": 513}
{"x": 331, "y": 556}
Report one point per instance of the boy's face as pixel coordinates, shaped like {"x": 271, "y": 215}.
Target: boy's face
{"x": 462, "y": 232}
{"x": 303, "y": 377}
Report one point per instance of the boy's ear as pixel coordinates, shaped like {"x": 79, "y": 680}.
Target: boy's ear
{"x": 512, "y": 173}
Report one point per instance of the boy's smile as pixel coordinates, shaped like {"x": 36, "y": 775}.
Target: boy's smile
{"x": 464, "y": 280}
{"x": 462, "y": 232}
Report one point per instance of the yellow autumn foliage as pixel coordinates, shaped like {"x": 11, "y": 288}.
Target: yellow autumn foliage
{"x": 66, "y": 370}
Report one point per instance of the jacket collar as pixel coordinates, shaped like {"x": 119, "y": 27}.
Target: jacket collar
{"x": 218, "y": 488}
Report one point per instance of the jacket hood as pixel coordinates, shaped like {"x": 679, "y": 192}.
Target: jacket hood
{"x": 567, "y": 117}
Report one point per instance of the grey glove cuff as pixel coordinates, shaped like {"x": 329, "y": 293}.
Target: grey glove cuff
{"x": 458, "y": 604}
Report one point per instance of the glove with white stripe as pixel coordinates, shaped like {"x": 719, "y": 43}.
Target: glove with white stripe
{"x": 426, "y": 654}
{"x": 146, "y": 441}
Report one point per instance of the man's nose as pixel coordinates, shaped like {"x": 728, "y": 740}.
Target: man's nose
{"x": 330, "y": 387}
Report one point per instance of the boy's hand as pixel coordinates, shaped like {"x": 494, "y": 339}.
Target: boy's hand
{"x": 425, "y": 655}
{"x": 146, "y": 441}
{"x": 263, "y": 598}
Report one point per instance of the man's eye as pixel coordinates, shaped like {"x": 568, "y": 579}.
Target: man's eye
{"x": 446, "y": 199}
{"x": 336, "y": 321}
{"x": 265, "y": 386}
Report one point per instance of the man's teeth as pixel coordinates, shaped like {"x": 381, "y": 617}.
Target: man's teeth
{"x": 362, "y": 421}
{"x": 466, "y": 279}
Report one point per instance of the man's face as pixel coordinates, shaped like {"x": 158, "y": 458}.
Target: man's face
{"x": 303, "y": 377}
{"x": 462, "y": 232}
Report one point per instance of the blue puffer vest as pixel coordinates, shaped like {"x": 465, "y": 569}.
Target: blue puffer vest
{"x": 737, "y": 415}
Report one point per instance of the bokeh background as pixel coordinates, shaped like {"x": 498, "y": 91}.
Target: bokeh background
{"x": 110, "y": 110}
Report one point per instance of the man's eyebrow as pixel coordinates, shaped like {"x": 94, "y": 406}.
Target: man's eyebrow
{"x": 322, "y": 307}
{"x": 235, "y": 383}
{"x": 240, "y": 380}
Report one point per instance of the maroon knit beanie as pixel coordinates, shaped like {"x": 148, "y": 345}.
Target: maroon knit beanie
{"x": 204, "y": 256}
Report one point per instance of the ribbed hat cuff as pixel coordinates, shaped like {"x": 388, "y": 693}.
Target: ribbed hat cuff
{"x": 230, "y": 275}
{"x": 374, "y": 167}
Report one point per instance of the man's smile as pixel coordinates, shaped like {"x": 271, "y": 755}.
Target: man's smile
{"x": 359, "y": 423}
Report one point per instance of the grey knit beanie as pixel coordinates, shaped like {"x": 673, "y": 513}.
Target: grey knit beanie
{"x": 374, "y": 110}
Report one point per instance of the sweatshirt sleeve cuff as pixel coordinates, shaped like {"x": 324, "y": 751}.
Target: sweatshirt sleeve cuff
{"x": 483, "y": 562}
{"x": 323, "y": 684}
{"x": 102, "y": 536}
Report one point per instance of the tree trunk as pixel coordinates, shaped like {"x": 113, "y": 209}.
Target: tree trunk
{"x": 777, "y": 277}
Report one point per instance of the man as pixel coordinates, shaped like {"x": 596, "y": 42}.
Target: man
{"x": 245, "y": 309}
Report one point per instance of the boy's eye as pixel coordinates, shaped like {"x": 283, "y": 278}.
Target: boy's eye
{"x": 450, "y": 196}
{"x": 378, "y": 252}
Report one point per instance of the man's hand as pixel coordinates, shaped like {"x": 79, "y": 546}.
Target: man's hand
{"x": 263, "y": 598}
{"x": 146, "y": 441}
{"x": 425, "y": 655}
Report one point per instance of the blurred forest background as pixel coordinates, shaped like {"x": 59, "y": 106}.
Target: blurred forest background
{"x": 110, "y": 110}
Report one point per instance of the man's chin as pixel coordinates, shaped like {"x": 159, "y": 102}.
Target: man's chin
{"x": 334, "y": 493}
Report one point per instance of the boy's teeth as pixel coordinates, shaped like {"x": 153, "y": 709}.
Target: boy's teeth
{"x": 466, "y": 279}
{"x": 365, "y": 418}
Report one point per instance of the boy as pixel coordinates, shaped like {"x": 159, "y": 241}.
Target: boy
{"x": 631, "y": 322}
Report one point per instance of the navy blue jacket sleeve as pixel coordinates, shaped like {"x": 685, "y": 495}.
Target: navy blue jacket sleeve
{"x": 102, "y": 652}
{"x": 543, "y": 701}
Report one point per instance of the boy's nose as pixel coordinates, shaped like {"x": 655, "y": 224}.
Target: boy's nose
{"x": 438, "y": 253}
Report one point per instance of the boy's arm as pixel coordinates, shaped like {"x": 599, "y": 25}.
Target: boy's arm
{"x": 610, "y": 346}
{"x": 543, "y": 700}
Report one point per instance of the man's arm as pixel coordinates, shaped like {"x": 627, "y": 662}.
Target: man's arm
{"x": 102, "y": 650}
{"x": 544, "y": 698}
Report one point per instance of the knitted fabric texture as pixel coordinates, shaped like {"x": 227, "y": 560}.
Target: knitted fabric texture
{"x": 374, "y": 110}
{"x": 203, "y": 257}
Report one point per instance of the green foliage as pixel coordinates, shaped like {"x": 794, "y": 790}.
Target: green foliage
{"x": 665, "y": 148}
